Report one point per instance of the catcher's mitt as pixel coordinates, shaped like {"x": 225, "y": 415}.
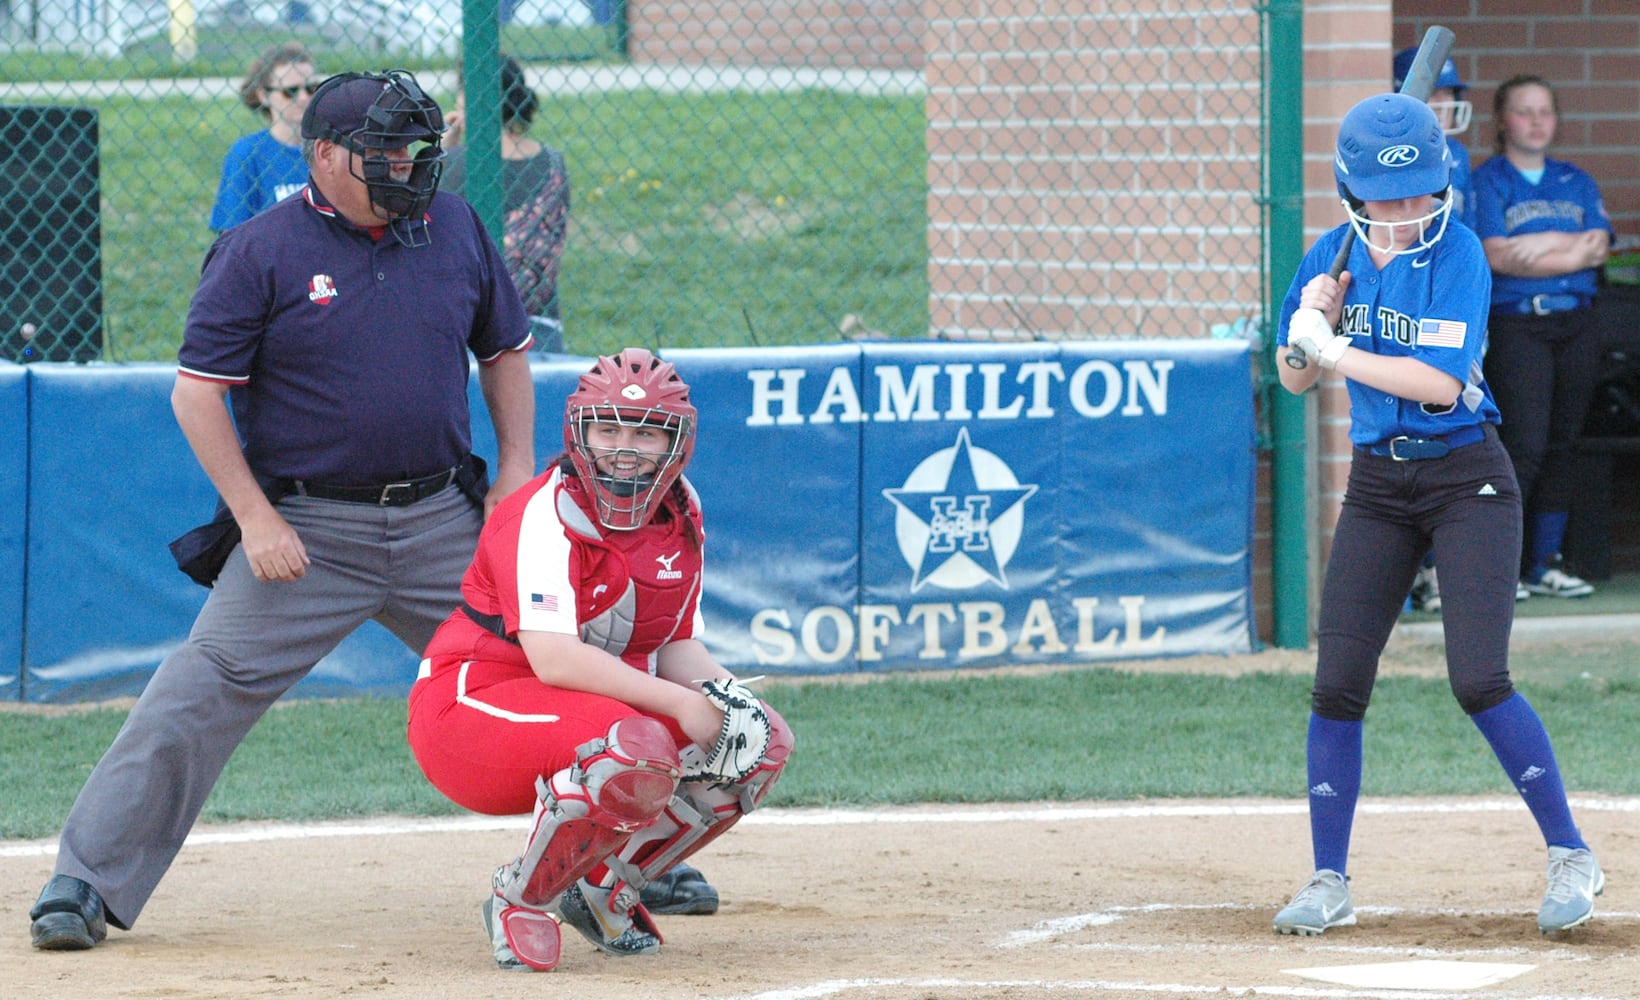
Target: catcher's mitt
{"x": 743, "y": 738}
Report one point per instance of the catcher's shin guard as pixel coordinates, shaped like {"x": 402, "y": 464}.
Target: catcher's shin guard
{"x": 699, "y": 813}
{"x": 617, "y": 785}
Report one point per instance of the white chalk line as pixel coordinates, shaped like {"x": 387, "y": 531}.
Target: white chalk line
{"x": 896, "y": 815}
{"x": 1057, "y": 987}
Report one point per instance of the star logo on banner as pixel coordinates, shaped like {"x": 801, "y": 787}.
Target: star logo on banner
{"x": 959, "y": 517}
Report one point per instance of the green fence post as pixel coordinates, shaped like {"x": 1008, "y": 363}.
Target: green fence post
{"x": 1291, "y": 517}
{"x": 481, "y": 82}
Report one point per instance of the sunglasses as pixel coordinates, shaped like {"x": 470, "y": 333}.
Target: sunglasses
{"x": 291, "y": 92}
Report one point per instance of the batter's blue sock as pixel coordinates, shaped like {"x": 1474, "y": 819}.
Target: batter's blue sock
{"x": 1332, "y": 753}
{"x": 1522, "y": 746}
{"x": 1548, "y": 531}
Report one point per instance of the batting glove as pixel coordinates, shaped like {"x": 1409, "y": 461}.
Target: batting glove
{"x": 1310, "y": 332}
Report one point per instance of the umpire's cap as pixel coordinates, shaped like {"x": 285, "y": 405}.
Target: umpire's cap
{"x": 385, "y": 110}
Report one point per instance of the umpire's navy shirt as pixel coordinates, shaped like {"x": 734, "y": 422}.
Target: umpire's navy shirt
{"x": 345, "y": 350}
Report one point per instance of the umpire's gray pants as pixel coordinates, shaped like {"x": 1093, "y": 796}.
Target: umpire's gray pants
{"x": 401, "y": 566}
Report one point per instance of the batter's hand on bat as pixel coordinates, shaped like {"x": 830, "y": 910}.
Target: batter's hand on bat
{"x": 1325, "y": 294}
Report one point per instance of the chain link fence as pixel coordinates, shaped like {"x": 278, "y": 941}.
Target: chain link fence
{"x": 797, "y": 172}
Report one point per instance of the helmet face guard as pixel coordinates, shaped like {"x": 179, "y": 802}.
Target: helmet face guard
{"x": 400, "y": 117}
{"x": 1431, "y": 227}
{"x": 629, "y": 389}
{"x": 1454, "y": 115}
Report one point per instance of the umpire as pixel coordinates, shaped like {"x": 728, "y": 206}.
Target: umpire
{"x": 337, "y": 326}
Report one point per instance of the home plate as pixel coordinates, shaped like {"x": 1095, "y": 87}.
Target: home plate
{"x": 1424, "y": 975}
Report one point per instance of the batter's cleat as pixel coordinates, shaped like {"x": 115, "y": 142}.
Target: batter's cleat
{"x": 1559, "y": 583}
{"x": 521, "y": 939}
{"x": 681, "y": 889}
{"x": 68, "y": 916}
{"x": 1575, "y": 879}
{"x": 590, "y": 910}
{"x": 1323, "y": 902}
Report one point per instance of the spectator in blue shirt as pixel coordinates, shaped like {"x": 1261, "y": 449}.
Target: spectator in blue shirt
{"x": 266, "y": 166}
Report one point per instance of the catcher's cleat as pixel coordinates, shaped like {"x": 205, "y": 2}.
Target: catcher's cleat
{"x": 68, "y": 916}
{"x": 595, "y": 913}
{"x": 680, "y": 890}
{"x": 521, "y": 939}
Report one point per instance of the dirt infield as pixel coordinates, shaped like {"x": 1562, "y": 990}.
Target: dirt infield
{"x": 1149, "y": 899}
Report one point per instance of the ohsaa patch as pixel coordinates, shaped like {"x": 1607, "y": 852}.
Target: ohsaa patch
{"x": 321, "y": 289}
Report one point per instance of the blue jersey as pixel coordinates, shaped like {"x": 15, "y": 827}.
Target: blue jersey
{"x": 1566, "y": 200}
{"x": 258, "y": 171}
{"x": 1463, "y": 190}
{"x": 345, "y": 351}
{"x": 1431, "y": 306}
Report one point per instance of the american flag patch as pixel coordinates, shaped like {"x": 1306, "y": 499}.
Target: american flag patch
{"x": 544, "y": 602}
{"x": 1441, "y": 333}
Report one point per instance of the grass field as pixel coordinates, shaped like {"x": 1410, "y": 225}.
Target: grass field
{"x": 1230, "y": 727}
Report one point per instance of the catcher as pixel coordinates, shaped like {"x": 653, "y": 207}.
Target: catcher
{"x": 573, "y": 682}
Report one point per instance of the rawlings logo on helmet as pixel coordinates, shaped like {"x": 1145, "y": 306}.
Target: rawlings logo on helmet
{"x": 1398, "y": 156}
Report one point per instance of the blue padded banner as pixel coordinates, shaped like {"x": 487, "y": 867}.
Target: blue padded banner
{"x": 1010, "y": 503}
{"x": 881, "y": 506}
{"x": 114, "y": 481}
{"x": 14, "y": 526}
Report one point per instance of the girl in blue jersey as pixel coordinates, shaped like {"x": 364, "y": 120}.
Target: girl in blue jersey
{"x": 1545, "y": 232}
{"x": 1405, "y": 325}
{"x": 267, "y": 166}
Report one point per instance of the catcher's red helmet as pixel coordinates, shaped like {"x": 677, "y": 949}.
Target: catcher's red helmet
{"x": 631, "y": 387}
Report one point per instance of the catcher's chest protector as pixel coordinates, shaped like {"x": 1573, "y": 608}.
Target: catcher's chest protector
{"x": 636, "y": 589}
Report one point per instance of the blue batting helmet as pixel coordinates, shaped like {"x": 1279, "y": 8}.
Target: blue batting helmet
{"x": 1391, "y": 147}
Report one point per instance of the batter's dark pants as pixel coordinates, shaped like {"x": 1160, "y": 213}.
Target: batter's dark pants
{"x": 1542, "y": 371}
{"x": 1467, "y": 506}
{"x": 400, "y": 566}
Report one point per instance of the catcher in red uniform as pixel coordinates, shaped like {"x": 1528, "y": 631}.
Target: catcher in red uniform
{"x": 572, "y": 680}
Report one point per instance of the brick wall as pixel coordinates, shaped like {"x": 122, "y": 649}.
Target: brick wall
{"x": 1588, "y": 49}
{"x": 1093, "y": 168}
{"x": 851, "y": 34}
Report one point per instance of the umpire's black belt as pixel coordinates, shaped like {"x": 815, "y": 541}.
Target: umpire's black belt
{"x": 386, "y": 495}
{"x": 1411, "y": 449}
{"x": 1543, "y": 305}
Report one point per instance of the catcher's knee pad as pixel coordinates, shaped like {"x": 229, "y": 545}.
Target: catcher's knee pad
{"x": 617, "y": 785}
{"x": 699, "y": 813}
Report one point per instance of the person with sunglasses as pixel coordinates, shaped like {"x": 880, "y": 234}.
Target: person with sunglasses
{"x": 266, "y": 166}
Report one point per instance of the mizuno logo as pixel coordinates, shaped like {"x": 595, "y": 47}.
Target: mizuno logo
{"x": 666, "y": 571}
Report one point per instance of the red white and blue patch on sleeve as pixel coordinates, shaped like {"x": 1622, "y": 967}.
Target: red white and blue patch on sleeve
{"x": 1441, "y": 333}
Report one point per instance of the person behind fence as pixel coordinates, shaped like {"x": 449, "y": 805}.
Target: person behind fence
{"x": 535, "y": 196}
{"x": 1546, "y": 234}
{"x": 267, "y": 166}
{"x": 571, "y": 682}
{"x": 337, "y": 326}
{"x": 1404, "y": 326}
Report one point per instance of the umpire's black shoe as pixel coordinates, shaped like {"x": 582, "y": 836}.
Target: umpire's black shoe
{"x": 68, "y": 916}
{"x": 680, "y": 889}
